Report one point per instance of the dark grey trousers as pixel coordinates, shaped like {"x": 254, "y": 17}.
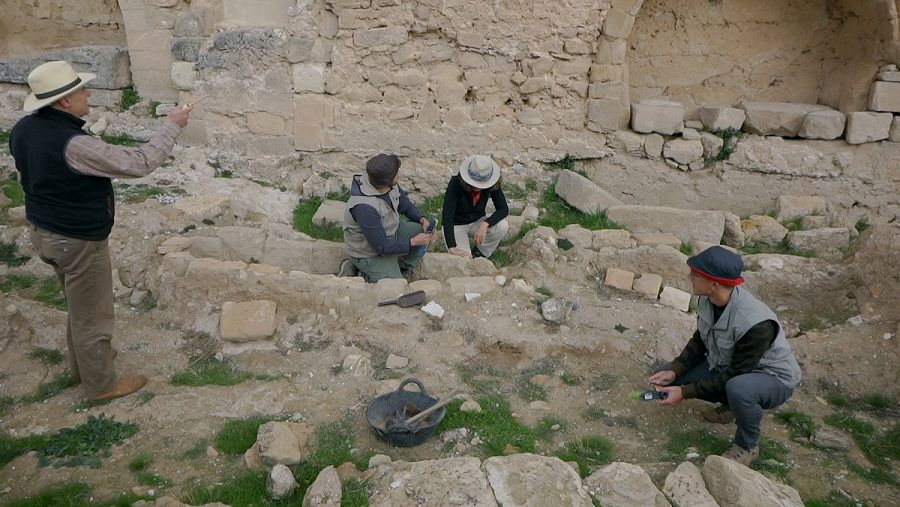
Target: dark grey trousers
{"x": 746, "y": 395}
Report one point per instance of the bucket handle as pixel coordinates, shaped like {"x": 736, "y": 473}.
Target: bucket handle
{"x": 412, "y": 380}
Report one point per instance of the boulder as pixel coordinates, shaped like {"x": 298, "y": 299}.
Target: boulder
{"x": 823, "y": 125}
{"x": 660, "y": 116}
{"x": 721, "y": 118}
{"x": 615, "y": 238}
{"x": 777, "y": 118}
{"x": 791, "y": 207}
{"x": 885, "y": 96}
{"x": 653, "y": 145}
{"x": 624, "y": 485}
{"x": 763, "y": 229}
{"x": 251, "y": 320}
{"x": 867, "y": 127}
{"x": 648, "y": 285}
{"x": 278, "y": 444}
{"x": 451, "y": 481}
{"x": 687, "y": 225}
{"x": 522, "y": 480}
{"x": 577, "y": 235}
{"x": 675, "y": 298}
{"x": 734, "y": 234}
{"x": 827, "y": 242}
{"x": 685, "y": 486}
{"x": 325, "y": 491}
{"x": 683, "y": 151}
{"x": 583, "y": 193}
{"x": 712, "y": 144}
{"x": 330, "y": 212}
{"x": 735, "y": 485}
{"x": 280, "y": 483}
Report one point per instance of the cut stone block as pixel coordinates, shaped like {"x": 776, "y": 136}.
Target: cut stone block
{"x": 389, "y": 35}
{"x": 763, "y": 229}
{"x": 867, "y": 127}
{"x": 721, "y": 118}
{"x": 619, "y": 278}
{"x": 814, "y": 222}
{"x": 889, "y": 75}
{"x": 675, "y": 298}
{"x": 649, "y": 285}
{"x": 885, "y": 96}
{"x": 823, "y": 125}
{"x": 603, "y": 114}
{"x": 251, "y": 320}
{"x": 660, "y": 116}
{"x": 657, "y": 238}
{"x": 683, "y": 151}
{"x": 618, "y": 24}
{"x": 110, "y": 63}
{"x": 615, "y": 238}
{"x": 653, "y": 145}
{"x": 797, "y": 206}
{"x": 687, "y": 225}
{"x": 777, "y": 118}
{"x": 309, "y": 77}
{"x": 895, "y": 130}
{"x": 712, "y": 144}
{"x": 330, "y": 213}
{"x": 583, "y": 193}
{"x": 829, "y": 241}
{"x": 184, "y": 76}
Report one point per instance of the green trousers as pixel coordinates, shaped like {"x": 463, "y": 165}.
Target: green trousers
{"x": 391, "y": 266}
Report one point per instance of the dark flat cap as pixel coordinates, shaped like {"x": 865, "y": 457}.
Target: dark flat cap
{"x": 382, "y": 169}
{"x": 719, "y": 265}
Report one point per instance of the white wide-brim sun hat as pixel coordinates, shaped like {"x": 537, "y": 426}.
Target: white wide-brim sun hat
{"x": 52, "y": 81}
{"x": 479, "y": 171}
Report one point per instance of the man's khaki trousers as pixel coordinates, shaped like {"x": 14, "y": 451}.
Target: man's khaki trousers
{"x": 85, "y": 273}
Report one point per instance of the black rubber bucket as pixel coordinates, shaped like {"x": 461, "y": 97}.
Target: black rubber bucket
{"x": 387, "y": 412}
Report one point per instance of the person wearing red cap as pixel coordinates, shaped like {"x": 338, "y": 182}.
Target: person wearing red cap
{"x": 738, "y": 356}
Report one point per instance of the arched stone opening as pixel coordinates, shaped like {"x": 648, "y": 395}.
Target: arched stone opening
{"x": 720, "y": 52}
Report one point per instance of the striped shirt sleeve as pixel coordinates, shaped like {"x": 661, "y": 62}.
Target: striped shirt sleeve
{"x": 92, "y": 156}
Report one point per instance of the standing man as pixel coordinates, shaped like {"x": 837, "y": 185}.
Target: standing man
{"x": 69, "y": 202}
{"x": 738, "y": 356}
{"x": 379, "y": 242}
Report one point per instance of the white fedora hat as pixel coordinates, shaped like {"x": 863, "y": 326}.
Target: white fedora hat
{"x": 479, "y": 171}
{"x": 52, "y": 81}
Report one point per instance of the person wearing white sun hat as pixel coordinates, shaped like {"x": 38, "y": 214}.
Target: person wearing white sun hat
{"x": 66, "y": 175}
{"x": 465, "y": 202}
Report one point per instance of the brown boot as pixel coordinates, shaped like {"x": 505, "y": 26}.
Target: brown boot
{"x": 719, "y": 414}
{"x": 126, "y": 386}
{"x": 740, "y": 455}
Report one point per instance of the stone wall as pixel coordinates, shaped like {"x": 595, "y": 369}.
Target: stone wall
{"x": 28, "y": 28}
{"x": 722, "y": 52}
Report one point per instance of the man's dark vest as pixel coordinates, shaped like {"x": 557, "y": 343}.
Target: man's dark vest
{"x": 57, "y": 198}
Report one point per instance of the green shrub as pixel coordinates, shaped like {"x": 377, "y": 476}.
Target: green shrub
{"x": 9, "y": 255}
{"x": 495, "y": 425}
{"x": 237, "y": 436}
{"x": 86, "y": 443}
{"x": 130, "y": 97}
{"x": 588, "y": 452}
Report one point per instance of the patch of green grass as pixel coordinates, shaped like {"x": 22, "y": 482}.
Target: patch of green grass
{"x": 353, "y": 494}
{"x": 529, "y": 391}
{"x": 705, "y": 444}
{"x": 303, "y": 214}
{"x": 772, "y": 450}
{"x": 205, "y": 371}
{"x": 834, "y": 499}
{"x": 5, "y": 403}
{"x": 861, "y": 225}
{"x": 47, "y": 390}
{"x": 730, "y": 138}
{"x": 518, "y": 193}
{"x": 686, "y": 248}
{"x": 69, "y": 495}
{"x": 544, "y": 429}
{"x": 563, "y": 164}
{"x": 49, "y": 292}
{"x": 47, "y": 356}
{"x": 875, "y": 475}
{"x": 122, "y": 140}
{"x": 4, "y": 138}
{"x": 151, "y": 479}
{"x": 223, "y": 173}
{"x": 140, "y": 462}
{"x": 15, "y": 282}
{"x": 130, "y": 97}
{"x": 199, "y": 449}
{"x": 881, "y": 448}
{"x": 86, "y": 443}
{"x": 564, "y": 244}
{"x": 593, "y": 413}
{"x": 570, "y": 379}
{"x": 137, "y": 193}
{"x": 237, "y": 436}
{"x": 559, "y": 214}
{"x": 589, "y": 452}
{"x": 246, "y": 489}
{"x": 793, "y": 225}
{"x": 800, "y": 425}
{"x": 153, "y": 105}
{"x": 432, "y": 206}
{"x": 485, "y": 379}
{"x": 544, "y": 291}
{"x": 46, "y": 290}
{"x": 11, "y": 447}
{"x": 9, "y": 255}
{"x": 495, "y": 425}
{"x": 334, "y": 443}
{"x": 603, "y": 382}
{"x": 502, "y": 257}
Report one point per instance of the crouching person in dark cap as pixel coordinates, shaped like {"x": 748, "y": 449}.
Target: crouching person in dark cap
{"x": 738, "y": 356}
{"x": 380, "y": 243}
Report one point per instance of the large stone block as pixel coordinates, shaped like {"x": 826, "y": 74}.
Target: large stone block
{"x": 826, "y": 242}
{"x": 721, "y": 118}
{"x": 867, "y": 127}
{"x": 266, "y": 124}
{"x": 190, "y": 24}
{"x": 687, "y": 225}
{"x": 242, "y": 243}
{"x": 885, "y": 96}
{"x": 309, "y": 77}
{"x": 618, "y": 23}
{"x": 386, "y": 36}
{"x": 583, "y": 193}
{"x": 791, "y": 207}
{"x": 317, "y": 257}
{"x": 823, "y": 125}
{"x": 523, "y": 480}
{"x": 615, "y": 238}
{"x": 110, "y": 63}
{"x": 660, "y": 116}
{"x": 330, "y": 213}
{"x": 603, "y": 114}
{"x": 624, "y": 485}
{"x": 251, "y": 320}
{"x": 450, "y": 481}
{"x": 619, "y": 278}
{"x": 675, "y": 298}
{"x": 682, "y": 151}
{"x": 735, "y": 485}
{"x": 186, "y": 48}
{"x": 777, "y": 118}
{"x": 763, "y": 229}
{"x": 313, "y": 114}
{"x": 649, "y": 285}
{"x": 895, "y": 130}
{"x": 685, "y": 486}
{"x": 261, "y": 13}
{"x": 184, "y": 76}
